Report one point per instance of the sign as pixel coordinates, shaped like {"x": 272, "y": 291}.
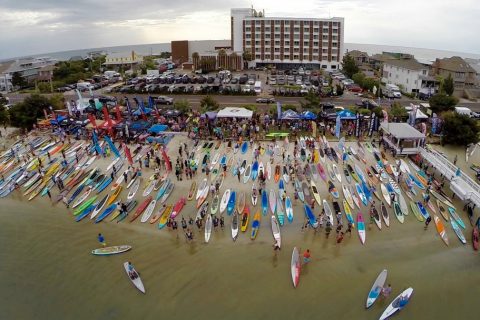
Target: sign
{"x": 357, "y": 125}
{"x": 279, "y": 110}
{"x": 372, "y": 123}
{"x": 338, "y": 125}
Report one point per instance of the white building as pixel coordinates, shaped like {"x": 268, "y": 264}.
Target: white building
{"x": 288, "y": 42}
{"x": 410, "y": 75}
{"x": 28, "y": 68}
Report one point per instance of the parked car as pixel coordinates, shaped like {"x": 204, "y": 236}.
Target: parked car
{"x": 163, "y": 100}
{"x": 265, "y": 100}
{"x": 367, "y": 103}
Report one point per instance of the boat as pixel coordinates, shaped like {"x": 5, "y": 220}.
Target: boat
{"x": 328, "y": 212}
{"x": 83, "y": 197}
{"x": 398, "y": 212}
{"x": 114, "y": 195}
{"x": 386, "y": 217}
{"x": 332, "y": 189}
{"x": 361, "y": 194}
{"x": 295, "y": 266}
{"x": 208, "y": 228}
{"x": 276, "y": 231}
{"x": 141, "y": 208}
{"x": 280, "y": 212}
{"x": 285, "y": 176}
{"x": 214, "y": 206}
{"x": 245, "y": 219}
{"x": 247, "y": 173}
{"x": 281, "y": 189}
{"x": 203, "y": 196}
{"x": 457, "y": 218}
{"x": 397, "y": 304}
{"x": 241, "y": 202}
{"x": 376, "y": 218}
{"x": 107, "y": 251}
{"x": 442, "y": 210}
{"x": 235, "y": 227}
{"x": 164, "y": 217}
{"x": 244, "y": 147}
{"x": 289, "y": 209}
{"x": 269, "y": 171}
{"x": 440, "y": 229}
{"x": 178, "y": 207}
{"x": 361, "y": 228}
{"x": 193, "y": 189}
{"x": 321, "y": 172}
{"x": 376, "y": 289}
{"x": 422, "y": 210}
{"x": 149, "y": 188}
{"x": 137, "y": 281}
{"x": 264, "y": 202}
{"x": 231, "y": 202}
{"x": 133, "y": 190}
{"x": 255, "y": 225}
{"x": 337, "y": 172}
{"x": 385, "y": 194}
{"x": 201, "y": 188}
{"x": 86, "y": 212}
{"x": 347, "y": 195}
{"x": 224, "y": 202}
{"x": 276, "y": 176}
{"x": 106, "y": 212}
{"x": 458, "y": 231}
{"x": 312, "y": 220}
{"x": 159, "y": 213}
{"x": 254, "y": 174}
{"x": 403, "y": 204}
{"x": 99, "y": 207}
{"x": 272, "y": 201}
{"x": 348, "y": 212}
{"x": 254, "y": 196}
{"x": 347, "y": 175}
{"x": 148, "y": 212}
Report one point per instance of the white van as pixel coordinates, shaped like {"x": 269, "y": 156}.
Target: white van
{"x": 392, "y": 91}
{"x": 464, "y": 111}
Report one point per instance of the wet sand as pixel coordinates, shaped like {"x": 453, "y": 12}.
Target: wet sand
{"x": 47, "y": 271}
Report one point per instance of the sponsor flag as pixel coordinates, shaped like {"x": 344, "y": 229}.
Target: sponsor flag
{"x": 118, "y": 113}
{"x": 152, "y": 105}
{"x": 279, "y": 110}
{"x": 129, "y": 108}
{"x": 372, "y": 124}
{"x": 357, "y": 125}
{"x": 112, "y": 146}
{"x": 338, "y": 124}
{"x": 128, "y": 154}
{"x": 108, "y": 120}
{"x": 167, "y": 159}
{"x": 95, "y": 143}
{"x": 92, "y": 120}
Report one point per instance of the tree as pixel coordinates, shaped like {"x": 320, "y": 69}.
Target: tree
{"x": 459, "y": 129}
{"x": 57, "y": 101}
{"x": 247, "y": 55}
{"x": 441, "y": 102}
{"x": 208, "y": 104}
{"x": 448, "y": 86}
{"x": 3, "y": 110}
{"x": 182, "y": 105}
{"x": 339, "y": 90}
{"x": 397, "y": 111}
{"x": 358, "y": 78}
{"x": 18, "y": 80}
{"x": 349, "y": 66}
{"x": 312, "y": 100}
{"x": 25, "y": 114}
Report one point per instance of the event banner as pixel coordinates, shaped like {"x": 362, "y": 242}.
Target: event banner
{"x": 357, "y": 125}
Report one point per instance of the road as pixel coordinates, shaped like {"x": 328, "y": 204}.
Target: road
{"x": 347, "y": 100}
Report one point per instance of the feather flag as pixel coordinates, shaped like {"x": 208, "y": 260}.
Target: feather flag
{"x": 338, "y": 124}
{"x": 118, "y": 113}
{"x": 167, "y": 159}
{"x": 129, "y": 108}
{"x": 95, "y": 143}
{"x": 93, "y": 121}
{"x": 112, "y": 146}
{"x": 128, "y": 154}
{"x": 108, "y": 120}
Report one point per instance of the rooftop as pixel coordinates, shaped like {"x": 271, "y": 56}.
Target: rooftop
{"x": 401, "y": 130}
{"x": 409, "y": 64}
{"x": 455, "y": 64}
{"x": 357, "y": 53}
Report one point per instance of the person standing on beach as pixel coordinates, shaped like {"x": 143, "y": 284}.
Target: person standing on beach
{"x": 238, "y": 175}
{"x": 125, "y": 176}
{"x": 49, "y": 195}
{"x": 328, "y": 229}
{"x": 455, "y": 160}
{"x": 101, "y": 239}
{"x": 386, "y": 291}
{"x": 427, "y": 222}
{"x": 306, "y": 256}
{"x": 340, "y": 237}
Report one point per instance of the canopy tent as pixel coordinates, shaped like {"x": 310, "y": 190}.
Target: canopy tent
{"x": 420, "y": 115}
{"x": 290, "y": 115}
{"x": 105, "y": 125}
{"x": 60, "y": 118}
{"x": 145, "y": 110}
{"x": 139, "y": 125}
{"x": 230, "y": 112}
{"x": 308, "y": 115}
{"x": 157, "y": 128}
{"x": 171, "y": 113}
{"x": 402, "y": 130}
{"x": 210, "y": 115}
{"x": 346, "y": 115}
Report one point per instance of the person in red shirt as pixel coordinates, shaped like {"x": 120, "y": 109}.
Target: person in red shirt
{"x": 306, "y": 256}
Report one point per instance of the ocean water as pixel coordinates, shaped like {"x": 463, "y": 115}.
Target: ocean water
{"x": 156, "y": 48}
{"x": 47, "y": 271}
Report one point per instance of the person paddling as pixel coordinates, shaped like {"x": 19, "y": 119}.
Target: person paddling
{"x": 101, "y": 239}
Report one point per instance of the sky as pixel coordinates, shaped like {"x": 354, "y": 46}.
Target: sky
{"x": 39, "y": 26}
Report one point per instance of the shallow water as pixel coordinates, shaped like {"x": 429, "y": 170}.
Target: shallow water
{"x": 47, "y": 271}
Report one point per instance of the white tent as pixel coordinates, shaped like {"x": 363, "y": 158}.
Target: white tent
{"x": 420, "y": 115}
{"x": 230, "y": 112}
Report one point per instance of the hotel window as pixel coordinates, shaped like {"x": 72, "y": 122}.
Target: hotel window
{"x": 334, "y": 51}
{"x": 287, "y": 29}
{"x": 296, "y": 43}
{"x": 315, "y": 50}
{"x": 296, "y": 22}
{"x": 267, "y": 29}
{"x": 296, "y": 36}
{"x": 267, "y": 56}
{"x": 305, "y": 50}
{"x": 324, "y": 50}
{"x": 286, "y": 36}
{"x": 287, "y": 43}
{"x": 267, "y": 43}
{"x": 296, "y": 50}
{"x": 305, "y": 57}
{"x": 247, "y": 42}
{"x": 258, "y": 29}
{"x": 287, "y": 56}
{"x": 296, "y": 29}
{"x": 257, "y": 56}
{"x": 247, "y": 29}
{"x": 334, "y": 44}
{"x": 324, "y": 44}
{"x": 257, "y": 49}
{"x": 315, "y": 30}
{"x": 306, "y": 29}
{"x": 325, "y": 23}
{"x": 267, "y": 35}
{"x": 277, "y": 49}
{"x": 277, "y": 43}
{"x": 315, "y": 44}
{"x": 334, "y": 31}
{"x": 277, "y": 22}
{"x": 315, "y": 37}
{"x": 277, "y": 29}
{"x": 324, "y": 57}
{"x": 277, "y": 36}
{"x": 334, "y": 24}
{"x": 306, "y": 36}
{"x": 315, "y": 57}
{"x": 287, "y": 49}
{"x": 325, "y": 30}
{"x": 325, "y": 37}
{"x": 248, "y": 36}
{"x": 334, "y": 58}
{"x": 287, "y": 22}
{"x": 306, "y": 43}
{"x": 334, "y": 38}
{"x": 257, "y": 43}
{"x": 258, "y": 22}
{"x": 277, "y": 56}
{"x": 295, "y": 56}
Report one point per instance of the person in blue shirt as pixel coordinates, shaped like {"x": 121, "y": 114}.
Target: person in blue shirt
{"x": 131, "y": 271}
{"x": 101, "y": 239}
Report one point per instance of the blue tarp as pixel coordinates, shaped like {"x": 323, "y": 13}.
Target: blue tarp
{"x": 59, "y": 118}
{"x": 308, "y": 115}
{"x": 146, "y": 110}
{"x": 157, "y": 128}
{"x": 347, "y": 115}
{"x": 290, "y": 115}
{"x": 139, "y": 125}
{"x": 210, "y": 115}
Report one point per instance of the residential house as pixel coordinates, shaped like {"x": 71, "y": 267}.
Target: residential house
{"x": 360, "y": 57}
{"x": 28, "y": 68}
{"x": 45, "y": 73}
{"x": 410, "y": 75}
{"x": 464, "y": 76}
{"x": 125, "y": 59}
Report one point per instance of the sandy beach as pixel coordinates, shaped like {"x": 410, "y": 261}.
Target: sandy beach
{"x": 47, "y": 264}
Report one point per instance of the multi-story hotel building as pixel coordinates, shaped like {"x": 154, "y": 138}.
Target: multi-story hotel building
{"x": 288, "y": 42}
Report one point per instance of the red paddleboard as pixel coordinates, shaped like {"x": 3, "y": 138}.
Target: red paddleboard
{"x": 178, "y": 207}
{"x": 141, "y": 208}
